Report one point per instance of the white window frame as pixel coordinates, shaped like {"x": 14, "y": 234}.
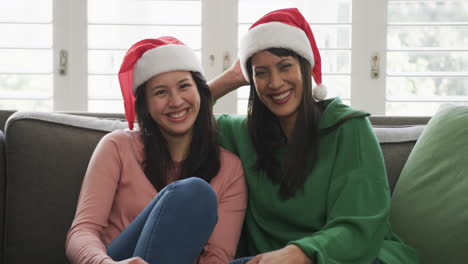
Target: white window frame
{"x": 219, "y": 45}
{"x": 369, "y": 37}
{"x": 70, "y": 34}
{"x": 219, "y": 51}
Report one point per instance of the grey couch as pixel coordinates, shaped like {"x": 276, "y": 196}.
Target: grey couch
{"x": 44, "y": 156}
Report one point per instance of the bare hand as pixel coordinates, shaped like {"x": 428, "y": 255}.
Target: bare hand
{"x": 290, "y": 254}
{"x": 135, "y": 260}
{"x": 228, "y": 81}
{"x": 235, "y": 69}
{"x": 256, "y": 259}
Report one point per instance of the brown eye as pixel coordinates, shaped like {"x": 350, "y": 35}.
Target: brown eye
{"x": 285, "y": 67}
{"x": 160, "y": 92}
{"x": 259, "y": 73}
{"x": 185, "y": 85}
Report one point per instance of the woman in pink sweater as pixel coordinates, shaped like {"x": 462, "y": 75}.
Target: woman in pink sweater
{"x": 166, "y": 193}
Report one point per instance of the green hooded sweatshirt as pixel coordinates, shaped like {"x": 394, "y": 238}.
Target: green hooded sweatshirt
{"x": 342, "y": 214}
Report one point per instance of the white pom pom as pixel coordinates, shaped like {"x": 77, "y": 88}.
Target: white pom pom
{"x": 319, "y": 92}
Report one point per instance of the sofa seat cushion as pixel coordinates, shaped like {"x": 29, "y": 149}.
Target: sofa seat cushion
{"x": 430, "y": 201}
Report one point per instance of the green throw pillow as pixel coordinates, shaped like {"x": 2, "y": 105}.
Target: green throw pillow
{"x": 430, "y": 201}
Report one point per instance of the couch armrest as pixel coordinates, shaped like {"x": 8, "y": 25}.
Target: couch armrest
{"x": 47, "y": 157}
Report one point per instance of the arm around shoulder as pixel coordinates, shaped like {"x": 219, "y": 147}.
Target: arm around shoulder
{"x": 228, "y": 81}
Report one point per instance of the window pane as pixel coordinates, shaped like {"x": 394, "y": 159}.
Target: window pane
{"x": 122, "y": 37}
{"x": 426, "y": 86}
{"x": 338, "y": 86}
{"x": 337, "y": 37}
{"x": 144, "y": 12}
{"x": 26, "y": 105}
{"x": 318, "y": 11}
{"x": 414, "y": 109}
{"x": 25, "y": 61}
{"x": 332, "y": 36}
{"x": 428, "y": 62}
{"x": 115, "y": 25}
{"x": 104, "y": 61}
{"x": 243, "y": 92}
{"x": 37, "y": 11}
{"x": 242, "y": 106}
{"x": 104, "y": 87}
{"x": 427, "y": 11}
{"x": 26, "y": 86}
{"x": 421, "y": 69}
{"x": 26, "y": 66}
{"x": 19, "y": 35}
{"x": 336, "y": 61}
{"x": 446, "y": 37}
{"x": 106, "y": 106}
{"x": 108, "y": 61}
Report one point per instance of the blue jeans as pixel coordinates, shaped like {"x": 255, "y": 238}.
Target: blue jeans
{"x": 247, "y": 259}
{"x": 241, "y": 260}
{"x": 173, "y": 228}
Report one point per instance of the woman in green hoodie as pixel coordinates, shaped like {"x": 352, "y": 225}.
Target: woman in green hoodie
{"x": 318, "y": 190}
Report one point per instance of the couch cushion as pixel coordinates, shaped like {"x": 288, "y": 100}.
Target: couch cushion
{"x": 429, "y": 209}
{"x": 47, "y": 156}
{"x": 396, "y": 144}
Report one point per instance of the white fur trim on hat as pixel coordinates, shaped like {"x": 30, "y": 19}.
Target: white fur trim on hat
{"x": 171, "y": 57}
{"x": 274, "y": 35}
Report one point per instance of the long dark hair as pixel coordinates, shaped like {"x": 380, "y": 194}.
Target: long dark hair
{"x": 203, "y": 157}
{"x": 267, "y": 136}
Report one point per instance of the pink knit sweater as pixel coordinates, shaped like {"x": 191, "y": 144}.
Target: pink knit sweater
{"x": 115, "y": 173}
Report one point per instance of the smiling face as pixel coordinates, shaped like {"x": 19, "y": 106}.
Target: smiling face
{"x": 173, "y": 102}
{"x": 278, "y": 82}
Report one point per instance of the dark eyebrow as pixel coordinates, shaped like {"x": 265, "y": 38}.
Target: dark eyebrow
{"x": 260, "y": 67}
{"x": 278, "y": 63}
{"x": 183, "y": 80}
{"x": 281, "y": 61}
{"x": 162, "y": 86}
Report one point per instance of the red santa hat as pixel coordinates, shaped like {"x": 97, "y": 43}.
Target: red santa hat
{"x": 284, "y": 28}
{"x": 150, "y": 57}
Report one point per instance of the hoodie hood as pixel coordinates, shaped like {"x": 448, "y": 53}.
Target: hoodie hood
{"x": 336, "y": 113}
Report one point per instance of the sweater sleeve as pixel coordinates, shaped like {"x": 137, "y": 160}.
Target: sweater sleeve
{"x": 229, "y": 128}
{"x": 222, "y": 244}
{"x": 83, "y": 244}
{"x": 358, "y": 201}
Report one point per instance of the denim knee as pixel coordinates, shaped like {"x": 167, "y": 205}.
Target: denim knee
{"x": 199, "y": 196}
